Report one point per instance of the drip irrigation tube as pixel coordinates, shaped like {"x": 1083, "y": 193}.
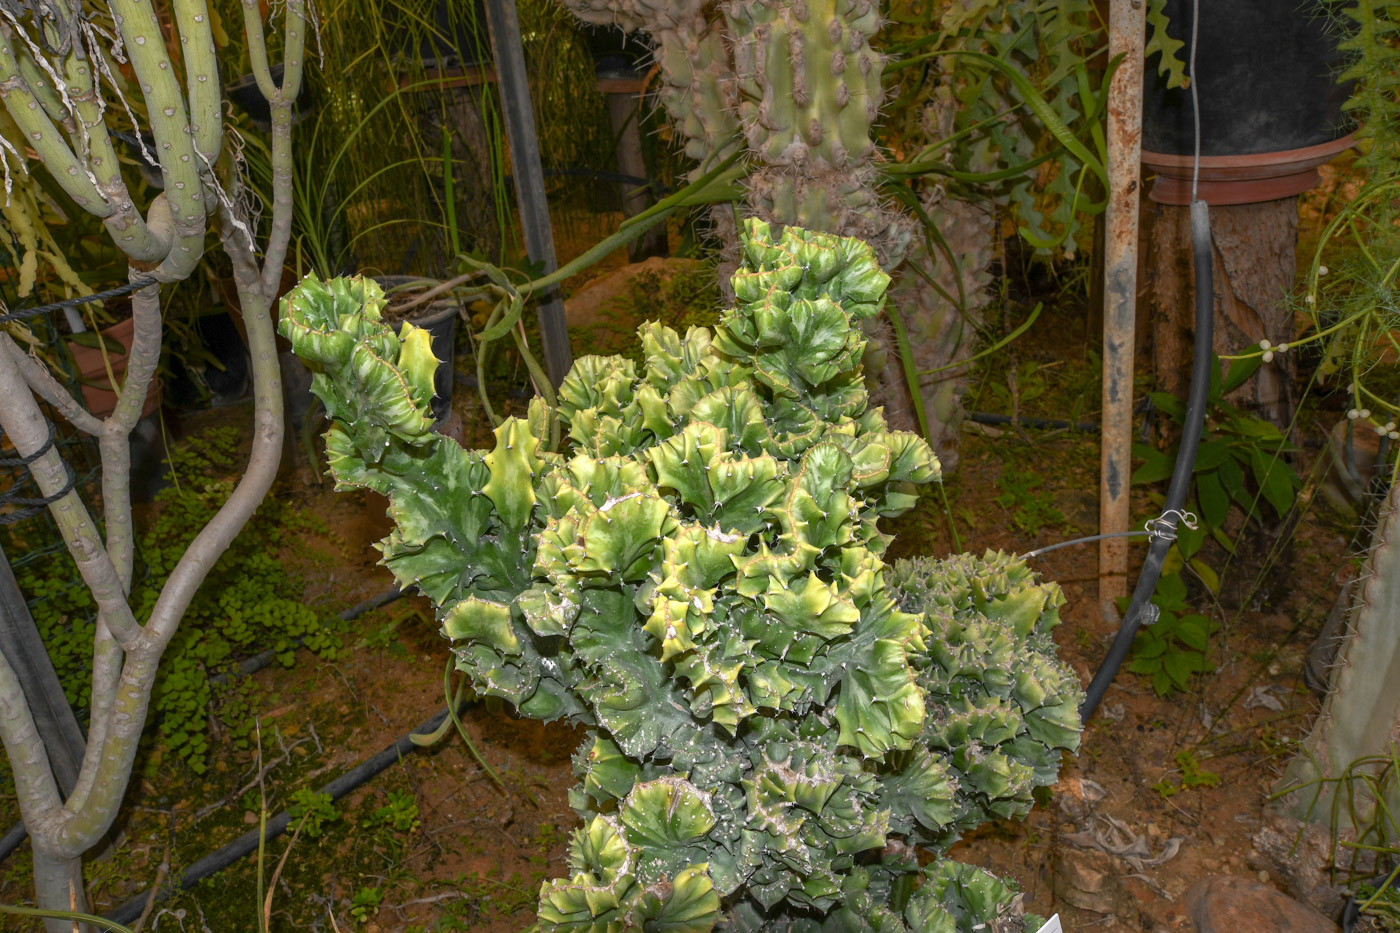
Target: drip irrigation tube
{"x": 1196, "y": 402}
{"x": 248, "y": 842}
{"x": 983, "y": 417}
{"x": 1196, "y": 405}
{"x": 17, "y": 833}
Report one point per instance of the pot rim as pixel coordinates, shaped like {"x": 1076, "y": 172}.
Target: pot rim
{"x": 1286, "y": 159}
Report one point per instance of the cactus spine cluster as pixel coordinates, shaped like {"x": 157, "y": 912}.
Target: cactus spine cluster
{"x": 699, "y": 582}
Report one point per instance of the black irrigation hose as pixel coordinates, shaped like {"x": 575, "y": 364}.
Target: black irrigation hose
{"x": 248, "y": 842}
{"x": 17, "y": 833}
{"x": 984, "y": 417}
{"x": 1351, "y": 914}
{"x": 1196, "y": 405}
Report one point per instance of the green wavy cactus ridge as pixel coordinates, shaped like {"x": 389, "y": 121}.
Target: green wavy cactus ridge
{"x": 698, "y": 580}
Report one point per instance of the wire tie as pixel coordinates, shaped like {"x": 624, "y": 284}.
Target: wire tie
{"x": 1164, "y": 526}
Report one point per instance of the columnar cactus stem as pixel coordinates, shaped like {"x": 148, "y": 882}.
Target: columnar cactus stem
{"x": 202, "y": 77}
{"x": 1360, "y": 719}
{"x": 40, "y": 134}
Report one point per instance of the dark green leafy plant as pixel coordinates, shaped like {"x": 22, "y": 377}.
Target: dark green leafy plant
{"x": 699, "y": 583}
{"x": 249, "y": 602}
{"x": 1239, "y": 463}
{"x": 1031, "y": 507}
{"x": 1192, "y": 775}
{"x": 1172, "y": 649}
{"x": 399, "y": 814}
{"x": 315, "y": 809}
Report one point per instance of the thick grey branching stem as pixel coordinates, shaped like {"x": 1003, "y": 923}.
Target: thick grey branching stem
{"x": 62, "y": 122}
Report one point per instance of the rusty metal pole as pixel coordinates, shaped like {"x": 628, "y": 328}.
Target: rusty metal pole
{"x": 1127, "y": 21}
{"x": 514, "y": 84}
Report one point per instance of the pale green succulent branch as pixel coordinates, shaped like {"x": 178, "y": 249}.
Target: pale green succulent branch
{"x": 696, "y": 578}
{"x": 59, "y": 90}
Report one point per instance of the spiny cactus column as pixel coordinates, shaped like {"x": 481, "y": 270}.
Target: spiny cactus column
{"x": 1360, "y": 718}
{"x": 942, "y": 332}
{"x": 809, "y": 94}
{"x": 699, "y": 582}
{"x": 804, "y": 90}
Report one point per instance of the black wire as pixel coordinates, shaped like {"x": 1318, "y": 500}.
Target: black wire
{"x": 26, "y": 506}
{"x": 25, "y": 313}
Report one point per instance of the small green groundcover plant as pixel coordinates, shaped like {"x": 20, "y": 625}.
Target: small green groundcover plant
{"x": 249, "y": 602}
{"x": 777, "y": 721}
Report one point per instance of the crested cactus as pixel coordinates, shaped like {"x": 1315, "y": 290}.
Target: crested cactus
{"x": 699, "y": 582}
{"x": 1001, "y": 706}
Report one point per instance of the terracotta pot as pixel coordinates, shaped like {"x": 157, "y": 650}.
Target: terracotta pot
{"x": 98, "y": 395}
{"x": 1241, "y": 179}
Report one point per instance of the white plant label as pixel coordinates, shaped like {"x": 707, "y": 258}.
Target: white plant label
{"x": 1052, "y": 926}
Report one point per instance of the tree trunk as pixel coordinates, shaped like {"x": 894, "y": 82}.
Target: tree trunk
{"x": 1254, "y": 247}
{"x": 58, "y": 885}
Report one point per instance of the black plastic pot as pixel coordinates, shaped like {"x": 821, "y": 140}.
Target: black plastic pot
{"x": 1271, "y": 106}
{"x": 439, "y": 319}
{"x": 245, "y": 94}
{"x": 617, "y": 54}
{"x": 1265, "y": 75}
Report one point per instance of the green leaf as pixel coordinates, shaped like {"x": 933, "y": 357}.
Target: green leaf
{"x": 1140, "y": 665}
{"x": 1169, "y": 405}
{"x": 1211, "y": 454}
{"x": 1241, "y": 369}
{"x": 1179, "y": 668}
{"x": 1171, "y": 593}
{"x": 1193, "y": 631}
{"x": 1156, "y": 465}
{"x": 1275, "y": 479}
{"x": 1148, "y": 646}
{"x": 1207, "y": 574}
{"x": 1232, "y": 478}
{"x": 1189, "y": 540}
{"x": 1214, "y": 500}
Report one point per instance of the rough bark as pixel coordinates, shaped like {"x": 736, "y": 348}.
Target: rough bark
{"x": 1254, "y": 247}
